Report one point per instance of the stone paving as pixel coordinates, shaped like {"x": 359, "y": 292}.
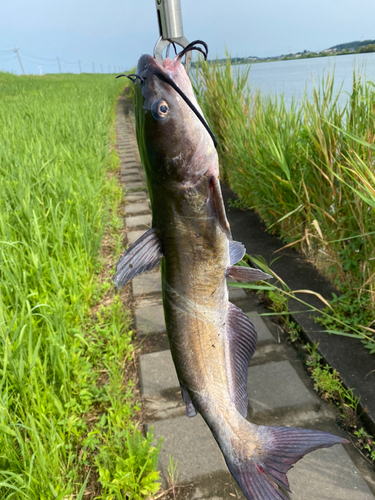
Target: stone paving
{"x": 280, "y": 392}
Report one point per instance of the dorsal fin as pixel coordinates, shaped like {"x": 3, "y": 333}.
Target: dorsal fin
{"x": 218, "y": 203}
{"x": 242, "y": 341}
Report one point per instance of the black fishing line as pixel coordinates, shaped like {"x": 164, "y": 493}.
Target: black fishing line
{"x": 170, "y": 82}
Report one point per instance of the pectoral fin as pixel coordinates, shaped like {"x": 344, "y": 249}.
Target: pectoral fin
{"x": 140, "y": 257}
{"x": 242, "y": 341}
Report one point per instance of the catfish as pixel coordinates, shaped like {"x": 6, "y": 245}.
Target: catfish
{"x": 211, "y": 340}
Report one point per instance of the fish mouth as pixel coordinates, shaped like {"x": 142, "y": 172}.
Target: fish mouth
{"x": 172, "y": 66}
{"x": 148, "y": 66}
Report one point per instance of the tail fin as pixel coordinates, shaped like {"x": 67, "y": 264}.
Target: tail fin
{"x": 259, "y": 475}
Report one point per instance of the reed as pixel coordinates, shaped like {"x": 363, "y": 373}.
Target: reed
{"x": 308, "y": 170}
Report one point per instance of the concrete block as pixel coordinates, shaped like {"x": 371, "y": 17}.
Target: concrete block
{"x": 328, "y": 474}
{"x": 135, "y": 185}
{"x": 146, "y": 284}
{"x": 149, "y": 317}
{"x": 127, "y": 155}
{"x": 133, "y": 236}
{"x": 234, "y": 292}
{"x": 276, "y": 387}
{"x": 264, "y": 335}
{"x": 128, "y": 164}
{"x": 191, "y": 444}
{"x": 160, "y": 388}
{"x": 138, "y": 220}
{"x": 157, "y": 374}
{"x": 136, "y": 196}
{"x": 137, "y": 208}
{"x": 130, "y": 171}
{"x": 131, "y": 178}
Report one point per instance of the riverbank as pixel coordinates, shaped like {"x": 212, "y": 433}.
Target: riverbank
{"x": 339, "y": 50}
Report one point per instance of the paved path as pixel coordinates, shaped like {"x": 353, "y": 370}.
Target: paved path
{"x": 280, "y": 392}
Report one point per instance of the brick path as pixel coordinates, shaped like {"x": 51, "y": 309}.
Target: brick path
{"x": 280, "y": 392}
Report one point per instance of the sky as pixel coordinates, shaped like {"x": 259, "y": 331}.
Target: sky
{"x": 111, "y": 35}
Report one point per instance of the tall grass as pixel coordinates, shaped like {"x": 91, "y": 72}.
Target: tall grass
{"x": 308, "y": 169}
{"x": 54, "y": 154}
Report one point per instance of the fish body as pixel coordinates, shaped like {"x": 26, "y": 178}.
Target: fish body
{"x": 211, "y": 340}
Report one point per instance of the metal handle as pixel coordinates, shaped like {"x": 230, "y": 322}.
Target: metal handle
{"x": 169, "y": 19}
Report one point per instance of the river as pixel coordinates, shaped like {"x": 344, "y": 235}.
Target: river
{"x": 292, "y": 78}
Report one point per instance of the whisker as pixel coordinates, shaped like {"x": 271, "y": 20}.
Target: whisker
{"x": 133, "y": 77}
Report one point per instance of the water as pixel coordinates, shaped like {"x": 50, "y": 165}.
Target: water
{"x": 293, "y": 78}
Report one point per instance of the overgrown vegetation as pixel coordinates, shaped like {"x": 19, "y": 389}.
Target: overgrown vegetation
{"x": 328, "y": 384}
{"x": 67, "y": 412}
{"x": 327, "y": 381}
{"x": 308, "y": 170}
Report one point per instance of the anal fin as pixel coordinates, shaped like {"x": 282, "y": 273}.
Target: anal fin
{"x": 242, "y": 341}
{"x": 140, "y": 257}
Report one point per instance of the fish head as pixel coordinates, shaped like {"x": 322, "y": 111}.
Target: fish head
{"x": 173, "y": 142}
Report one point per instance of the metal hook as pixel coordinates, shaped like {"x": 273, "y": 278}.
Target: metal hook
{"x": 192, "y": 46}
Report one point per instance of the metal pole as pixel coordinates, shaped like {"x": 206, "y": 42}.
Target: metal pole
{"x": 93, "y": 67}
{"x": 58, "y": 62}
{"x": 79, "y": 64}
{"x": 19, "y": 60}
{"x": 169, "y": 19}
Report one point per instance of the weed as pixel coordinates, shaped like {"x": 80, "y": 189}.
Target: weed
{"x": 172, "y": 475}
{"x": 239, "y": 204}
{"x": 366, "y": 442}
{"x": 348, "y": 311}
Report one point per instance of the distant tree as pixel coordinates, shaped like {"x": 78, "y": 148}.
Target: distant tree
{"x": 367, "y": 48}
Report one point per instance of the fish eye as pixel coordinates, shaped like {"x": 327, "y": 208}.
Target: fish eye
{"x": 160, "y": 109}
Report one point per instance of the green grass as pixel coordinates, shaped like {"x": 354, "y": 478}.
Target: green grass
{"x": 66, "y": 411}
{"x": 308, "y": 170}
